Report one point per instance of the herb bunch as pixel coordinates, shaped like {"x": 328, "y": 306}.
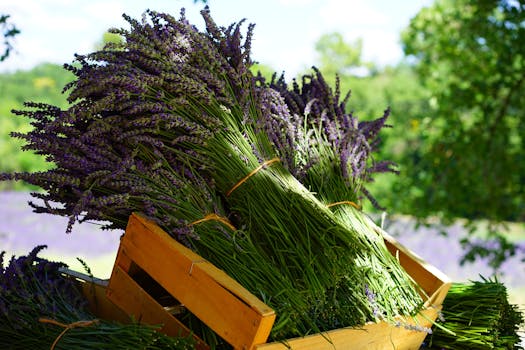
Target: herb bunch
{"x": 331, "y": 152}
{"x": 172, "y": 123}
{"x": 36, "y": 300}
{"x": 311, "y": 123}
{"x": 478, "y": 315}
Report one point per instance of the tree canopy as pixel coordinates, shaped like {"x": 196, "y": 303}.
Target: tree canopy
{"x": 336, "y": 56}
{"x": 457, "y": 111}
{"x": 470, "y": 55}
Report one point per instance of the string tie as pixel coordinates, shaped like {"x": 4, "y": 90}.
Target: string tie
{"x": 253, "y": 172}
{"x": 215, "y": 217}
{"x": 78, "y": 324}
{"x": 357, "y": 206}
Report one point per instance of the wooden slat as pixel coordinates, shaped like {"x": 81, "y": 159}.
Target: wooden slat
{"x": 218, "y": 275}
{"x": 123, "y": 261}
{"x": 100, "y": 305}
{"x": 225, "y": 306}
{"x": 434, "y": 282}
{"x": 129, "y": 296}
{"x": 373, "y": 336}
{"x": 94, "y": 290}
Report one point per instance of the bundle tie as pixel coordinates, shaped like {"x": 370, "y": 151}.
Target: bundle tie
{"x": 254, "y": 171}
{"x": 213, "y": 216}
{"x": 78, "y": 324}
{"x": 357, "y": 206}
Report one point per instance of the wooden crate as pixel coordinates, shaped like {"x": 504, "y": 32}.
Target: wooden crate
{"x": 235, "y": 314}
{"x": 230, "y": 310}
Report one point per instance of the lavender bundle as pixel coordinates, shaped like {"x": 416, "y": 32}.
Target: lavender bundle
{"x": 332, "y": 141}
{"x": 40, "y": 308}
{"x": 331, "y": 152}
{"x": 167, "y": 123}
{"x": 478, "y": 315}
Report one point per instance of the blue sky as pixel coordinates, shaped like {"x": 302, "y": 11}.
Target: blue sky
{"x": 285, "y": 32}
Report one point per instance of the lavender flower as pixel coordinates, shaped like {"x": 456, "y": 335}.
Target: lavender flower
{"x": 372, "y": 300}
{"x": 413, "y": 327}
{"x": 33, "y": 288}
{"x": 130, "y": 97}
{"x": 314, "y": 106}
{"x": 27, "y": 272}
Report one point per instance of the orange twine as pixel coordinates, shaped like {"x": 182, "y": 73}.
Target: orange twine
{"x": 66, "y": 327}
{"x": 254, "y": 171}
{"x": 215, "y": 217}
{"x": 357, "y": 206}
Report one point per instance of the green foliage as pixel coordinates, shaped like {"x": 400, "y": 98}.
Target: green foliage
{"x": 373, "y": 89}
{"x": 458, "y": 129}
{"x": 264, "y": 70}
{"x": 9, "y": 31}
{"x": 470, "y": 163}
{"x": 399, "y": 88}
{"x": 457, "y": 108}
{"x": 336, "y": 56}
{"x": 43, "y": 83}
{"x": 108, "y": 38}
{"x": 38, "y": 301}
{"x": 478, "y": 315}
{"x": 470, "y": 54}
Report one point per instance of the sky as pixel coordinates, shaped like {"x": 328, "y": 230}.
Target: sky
{"x": 284, "y": 37}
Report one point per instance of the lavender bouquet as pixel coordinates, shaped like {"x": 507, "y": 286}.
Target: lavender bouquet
{"x": 40, "y": 308}
{"x": 331, "y": 153}
{"x": 169, "y": 123}
{"x": 478, "y": 315}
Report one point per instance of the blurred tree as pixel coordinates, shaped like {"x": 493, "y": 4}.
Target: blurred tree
{"x": 264, "y": 70}
{"x": 341, "y": 58}
{"x": 9, "y": 31}
{"x": 43, "y": 83}
{"x": 471, "y": 163}
{"x": 107, "y": 38}
{"x": 338, "y": 56}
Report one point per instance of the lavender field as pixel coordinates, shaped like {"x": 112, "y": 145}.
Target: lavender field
{"x": 21, "y": 230}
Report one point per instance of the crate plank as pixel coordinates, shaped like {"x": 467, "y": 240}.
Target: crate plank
{"x": 384, "y": 335}
{"x": 94, "y": 290}
{"x": 434, "y": 283}
{"x": 128, "y": 295}
{"x": 140, "y": 224}
{"x": 373, "y": 336}
{"x": 224, "y": 305}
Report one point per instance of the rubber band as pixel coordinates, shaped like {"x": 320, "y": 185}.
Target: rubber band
{"x": 254, "y": 171}
{"x": 357, "y": 206}
{"x": 66, "y": 327}
{"x": 215, "y": 217}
